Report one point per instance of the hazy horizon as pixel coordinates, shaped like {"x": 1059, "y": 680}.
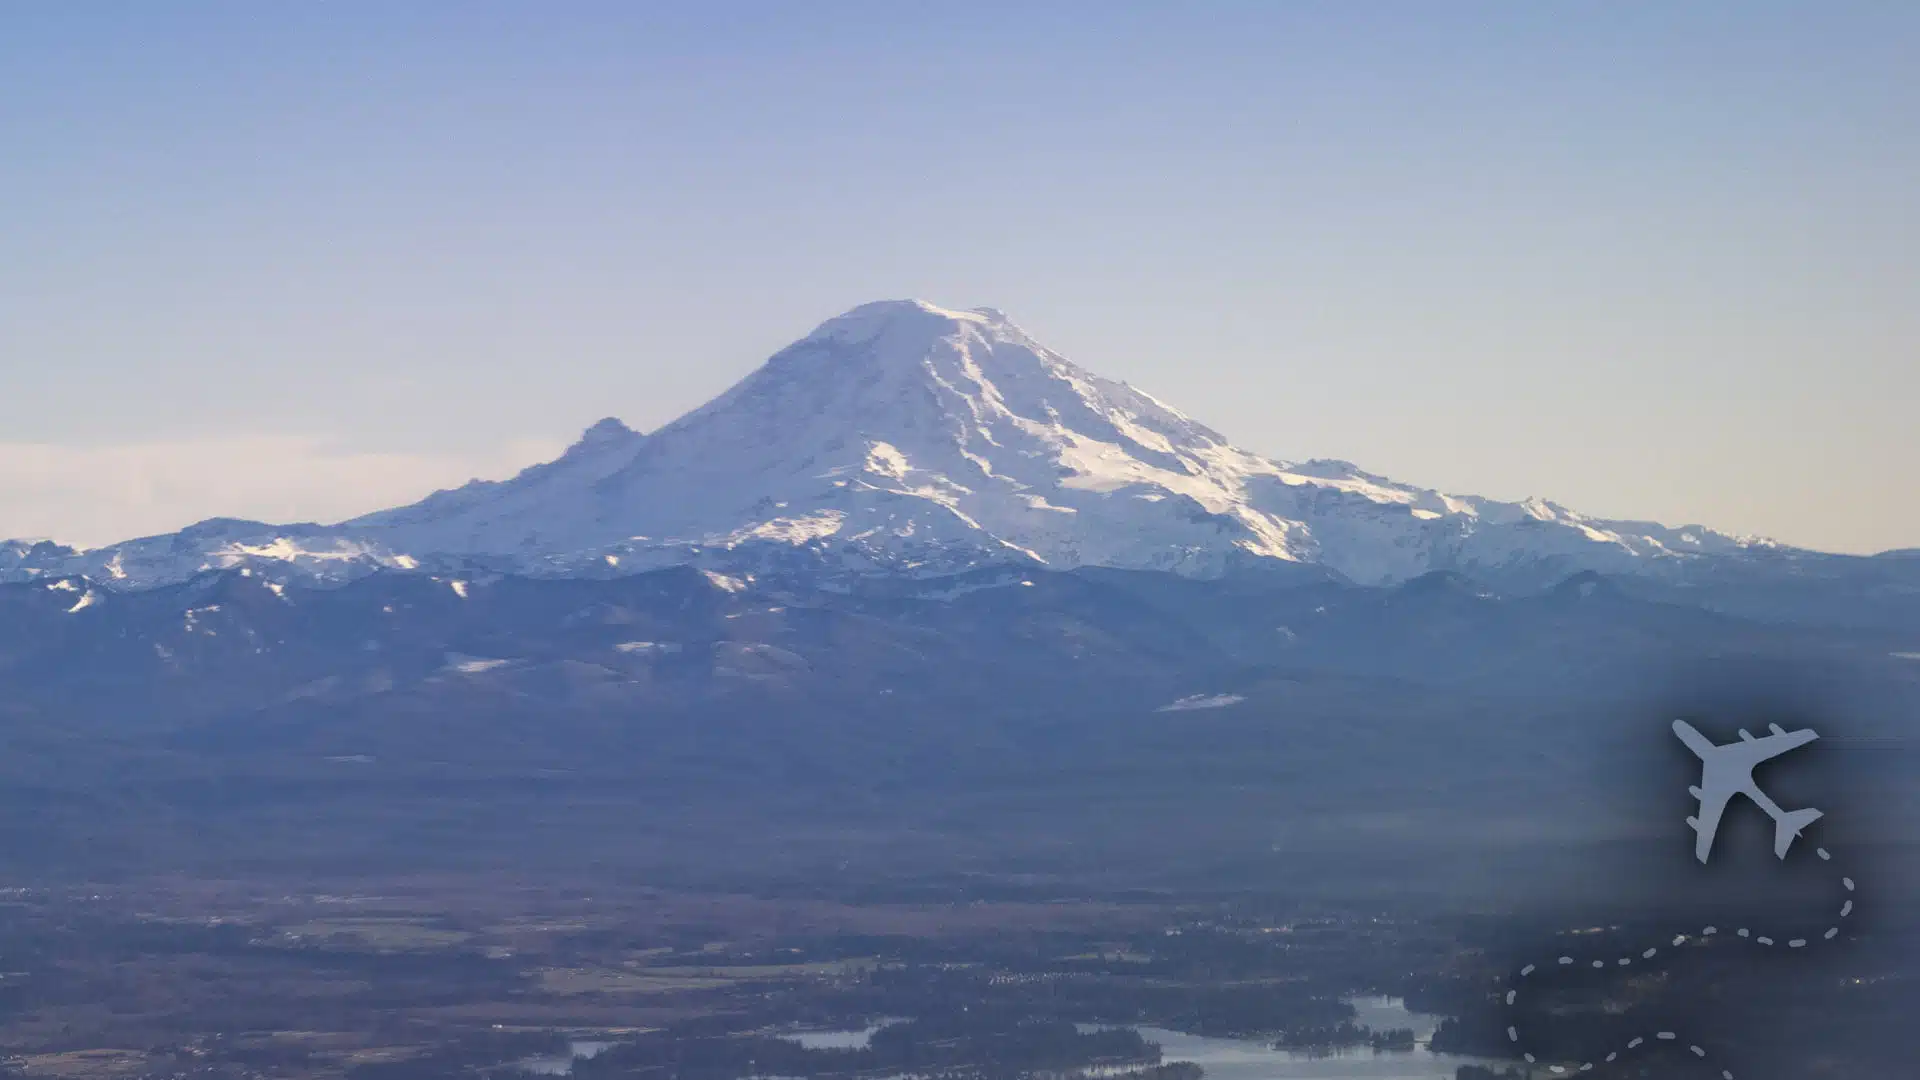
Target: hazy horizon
{"x": 301, "y": 264}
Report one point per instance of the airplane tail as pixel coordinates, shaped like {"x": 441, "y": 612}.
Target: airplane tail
{"x": 1788, "y": 828}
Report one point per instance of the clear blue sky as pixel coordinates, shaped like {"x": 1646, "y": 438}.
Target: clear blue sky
{"x": 300, "y": 260}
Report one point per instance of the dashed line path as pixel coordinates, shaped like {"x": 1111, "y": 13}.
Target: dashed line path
{"x": 1635, "y": 1043}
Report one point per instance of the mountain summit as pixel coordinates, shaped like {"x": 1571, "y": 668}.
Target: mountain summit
{"x": 903, "y": 437}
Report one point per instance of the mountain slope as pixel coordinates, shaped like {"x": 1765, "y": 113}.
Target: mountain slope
{"x": 904, "y": 437}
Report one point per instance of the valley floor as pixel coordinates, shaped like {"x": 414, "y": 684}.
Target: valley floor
{"x": 420, "y": 977}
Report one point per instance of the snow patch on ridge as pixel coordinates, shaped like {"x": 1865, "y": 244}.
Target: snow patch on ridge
{"x": 1202, "y": 701}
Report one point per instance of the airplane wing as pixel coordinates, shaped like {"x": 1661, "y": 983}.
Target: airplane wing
{"x": 1695, "y": 741}
{"x": 1772, "y": 746}
{"x": 1749, "y": 751}
{"x": 1707, "y": 822}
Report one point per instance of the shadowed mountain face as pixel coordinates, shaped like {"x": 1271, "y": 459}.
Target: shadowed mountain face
{"x": 908, "y": 439}
{"x": 1135, "y": 725}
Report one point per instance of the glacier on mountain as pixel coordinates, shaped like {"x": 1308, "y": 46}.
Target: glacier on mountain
{"x": 902, "y": 437}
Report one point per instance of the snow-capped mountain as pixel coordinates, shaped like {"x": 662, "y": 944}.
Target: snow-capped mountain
{"x": 903, "y": 437}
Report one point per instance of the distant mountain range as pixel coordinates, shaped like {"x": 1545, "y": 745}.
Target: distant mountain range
{"x": 905, "y": 438}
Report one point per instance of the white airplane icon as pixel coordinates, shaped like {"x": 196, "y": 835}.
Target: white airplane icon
{"x": 1727, "y": 771}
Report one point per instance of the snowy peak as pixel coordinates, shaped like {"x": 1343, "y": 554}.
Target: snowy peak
{"x": 920, "y": 371}
{"x": 912, "y": 322}
{"x": 937, "y": 428}
{"x": 599, "y": 452}
{"x": 906, "y": 437}
{"x": 609, "y": 432}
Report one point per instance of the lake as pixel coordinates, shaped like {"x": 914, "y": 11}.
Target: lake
{"x": 1251, "y": 1059}
{"x": 837, "y": 1040}
{"x": 562, "y": 1064}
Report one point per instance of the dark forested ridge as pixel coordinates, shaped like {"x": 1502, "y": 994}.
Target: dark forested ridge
{"x": 1132, "y": 728}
